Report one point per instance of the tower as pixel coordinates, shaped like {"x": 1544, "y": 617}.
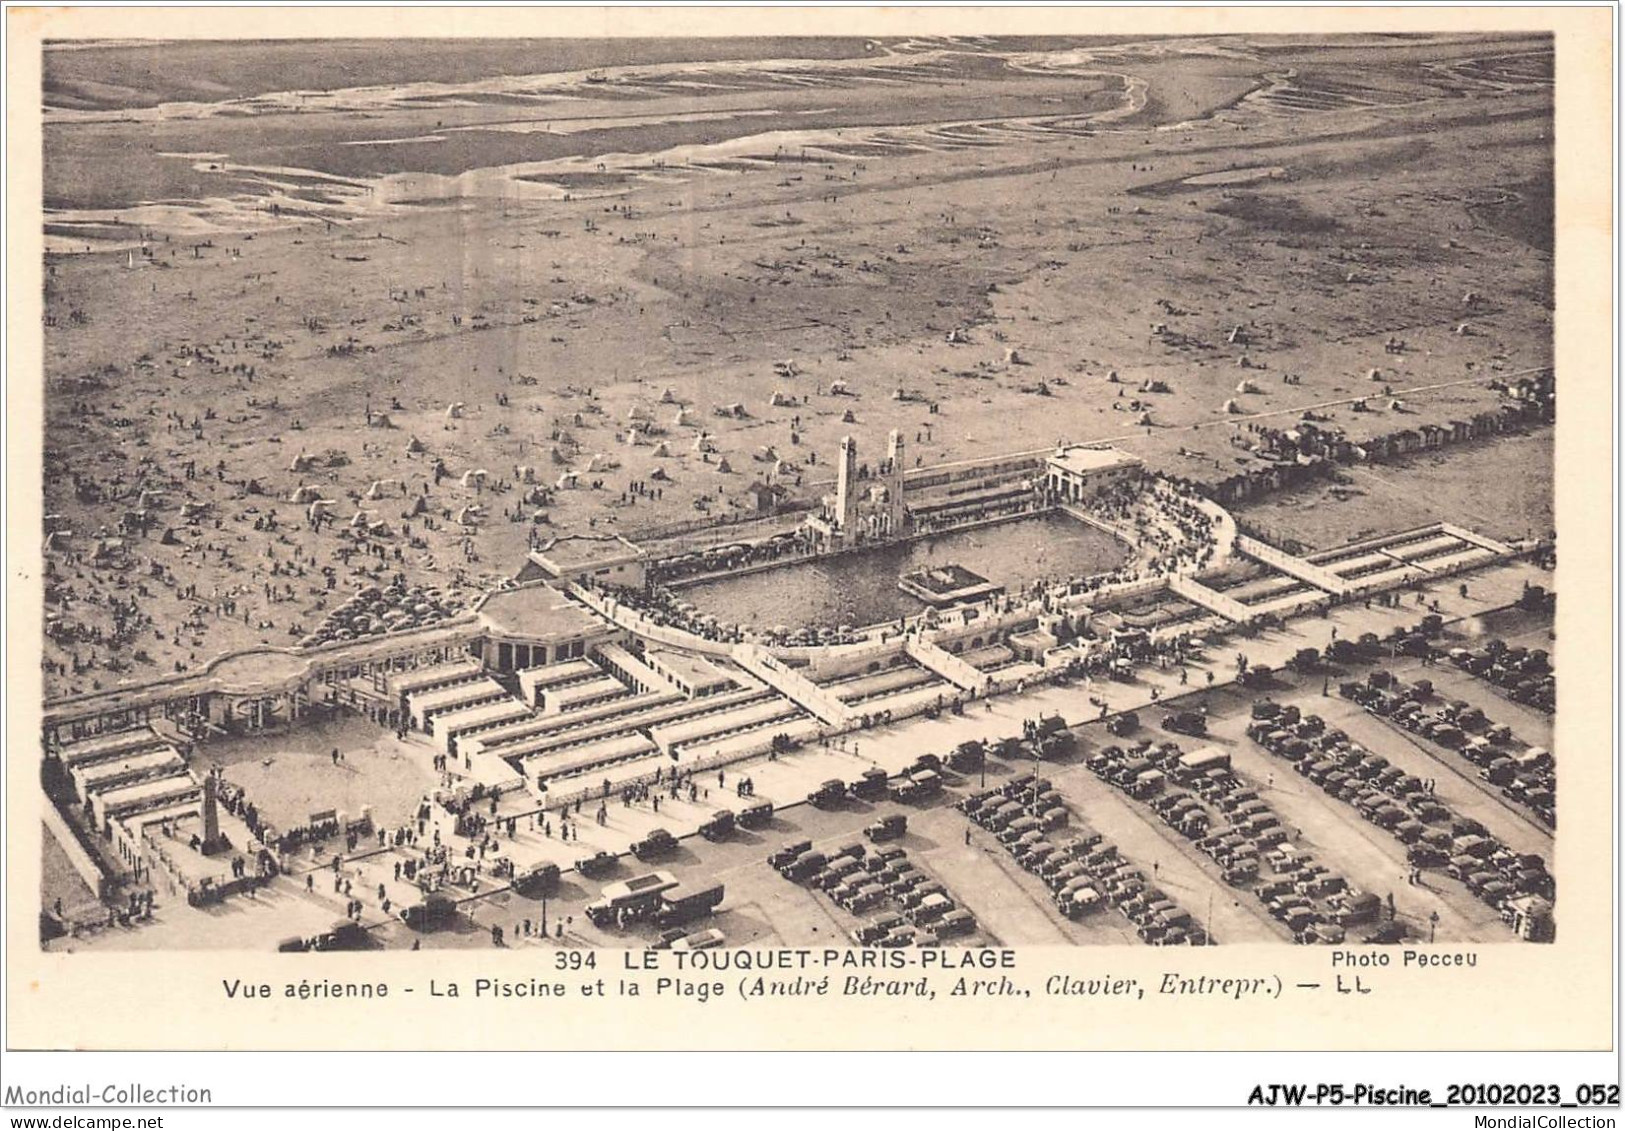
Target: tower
{"x": 211, "y": 814}
{"x": 846, "y": 487}
{"x": 896, "y": 462}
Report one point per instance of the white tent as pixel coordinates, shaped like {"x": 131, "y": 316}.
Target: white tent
{"x": 662, "y": 449}
{"x": 668, "y": 396}
{"x": 1247, "y": 385}
{"x": 304, "y": 494}
{"x": 567, "y": 480}
{"x": 1231, "y": 406}
{"x": 682, "y": 417}
{"x": 455, "y": 410}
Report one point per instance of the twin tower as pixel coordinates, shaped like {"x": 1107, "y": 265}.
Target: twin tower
{"x": 891, "y": 517}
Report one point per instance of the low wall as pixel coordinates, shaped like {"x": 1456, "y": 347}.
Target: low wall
{"x": 83, "y": 863}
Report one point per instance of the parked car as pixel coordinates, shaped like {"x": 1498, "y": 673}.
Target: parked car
{"x": 889, "y": 827}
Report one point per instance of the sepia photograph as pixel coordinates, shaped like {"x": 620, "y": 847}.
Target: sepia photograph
{"x": 803, "y": 491}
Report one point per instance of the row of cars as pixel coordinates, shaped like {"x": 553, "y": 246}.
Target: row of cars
{"x": 1525, "y": 674}
{"x": 1434, "y": 835}
{"x": 1199, "y": 796}
{"x": 859, "y": 880}
{"x": 922, "y": 780}
{"x": 1525, "y": 775}
{"x": 1083, "y": 873}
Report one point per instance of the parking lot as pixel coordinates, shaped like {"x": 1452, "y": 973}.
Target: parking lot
{"x": 1013, "y": 905}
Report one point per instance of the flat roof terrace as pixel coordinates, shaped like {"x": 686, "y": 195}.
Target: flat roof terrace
{"x": 537, "y": 612}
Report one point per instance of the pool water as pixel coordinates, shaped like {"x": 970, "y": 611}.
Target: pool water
{"x": 860, "y": 588}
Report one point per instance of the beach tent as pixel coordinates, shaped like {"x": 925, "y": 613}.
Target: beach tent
{"x": 455, "y": 410}
{"x": 415, "y": 446}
